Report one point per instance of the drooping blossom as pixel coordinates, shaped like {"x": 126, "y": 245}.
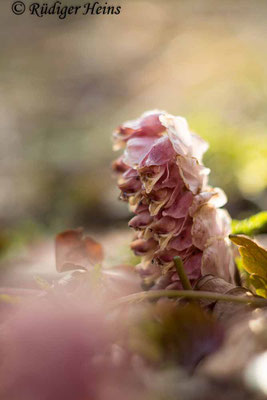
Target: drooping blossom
{"x": 162, "y": 177}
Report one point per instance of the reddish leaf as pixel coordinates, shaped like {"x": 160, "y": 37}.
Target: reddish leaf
{"x": 74, "y": 250}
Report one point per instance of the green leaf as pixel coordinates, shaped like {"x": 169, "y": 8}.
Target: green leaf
{"x": 42, "y": 283}
{"x": 254, "y": 257}
{"x": 259, "y": 284}
{"x": 6, "y": 298}
{"x": 251, "y": 226}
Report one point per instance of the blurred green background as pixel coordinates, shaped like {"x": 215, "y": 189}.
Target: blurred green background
{"x": 66, "y": 84}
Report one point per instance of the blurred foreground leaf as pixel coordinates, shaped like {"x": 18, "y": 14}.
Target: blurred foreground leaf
{"x": 171, "y": 334}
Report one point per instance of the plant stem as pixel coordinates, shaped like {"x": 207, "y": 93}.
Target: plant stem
{"x": 190, "y": 294}
{"x": 181, "y": 272}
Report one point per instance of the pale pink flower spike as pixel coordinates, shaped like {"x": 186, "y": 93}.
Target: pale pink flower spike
{"x": 162, "y": 177}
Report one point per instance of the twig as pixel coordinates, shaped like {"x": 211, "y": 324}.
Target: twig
{"x": 189, "y": 294}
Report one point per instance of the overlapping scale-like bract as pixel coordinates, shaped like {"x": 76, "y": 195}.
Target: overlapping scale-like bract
{"x": 162, "y": 177}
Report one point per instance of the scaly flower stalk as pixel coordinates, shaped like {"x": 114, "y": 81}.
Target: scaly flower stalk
{"x": 177, "y": 213}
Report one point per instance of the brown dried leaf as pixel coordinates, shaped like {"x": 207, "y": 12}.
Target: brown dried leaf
{"x": 223, "y": 311}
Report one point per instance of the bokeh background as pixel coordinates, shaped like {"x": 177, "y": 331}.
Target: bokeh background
{"x": 66, "y": 84}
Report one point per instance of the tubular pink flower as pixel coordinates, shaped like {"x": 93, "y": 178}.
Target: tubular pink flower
{"x": 176, "y": 213}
